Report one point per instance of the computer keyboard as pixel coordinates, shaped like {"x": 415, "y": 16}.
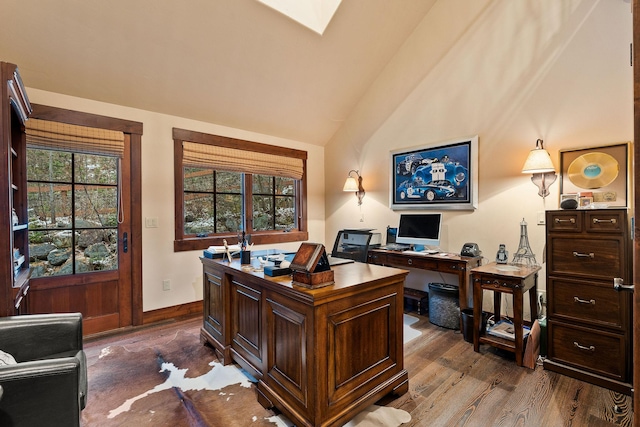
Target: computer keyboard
{"x": 425, "y": 252}
{"x": 395, "y": 247}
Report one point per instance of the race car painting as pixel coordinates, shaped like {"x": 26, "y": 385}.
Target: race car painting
{"x": 418, "y": 189}
{"x": 411, "y": 163}
{"x": 443, "y": 177}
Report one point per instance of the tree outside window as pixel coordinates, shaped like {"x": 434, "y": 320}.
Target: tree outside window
{"x": 72, "y": 203}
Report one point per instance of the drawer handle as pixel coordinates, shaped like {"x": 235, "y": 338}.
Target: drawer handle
{"x": 571, "y": 220}
{"x": 579, "y": 255}
{"x": 610, "y": 221}
{"x": 409, "y": 261}
{"x": 591, "y": 348}
{"x": 584, "y": 301}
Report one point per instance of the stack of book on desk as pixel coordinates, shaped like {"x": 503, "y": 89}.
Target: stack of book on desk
{"x": 504, "y": 329}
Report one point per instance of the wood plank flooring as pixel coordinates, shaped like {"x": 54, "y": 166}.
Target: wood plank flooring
{"x": 451, "y": 385}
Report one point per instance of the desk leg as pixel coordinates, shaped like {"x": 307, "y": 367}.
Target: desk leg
{"x": 477, "y": 312}
{"x": 517, "y": 324}
{"x": 462, "y": 292}
{"x": 533, "y": 300}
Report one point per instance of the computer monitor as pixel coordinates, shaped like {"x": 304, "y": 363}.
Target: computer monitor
{"x": 419, "y": 229}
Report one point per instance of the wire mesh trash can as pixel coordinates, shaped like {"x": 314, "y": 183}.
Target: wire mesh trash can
{"x": 444, "y": 306}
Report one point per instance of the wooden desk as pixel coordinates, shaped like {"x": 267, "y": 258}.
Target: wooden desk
{"x": 448, "y": 263}
{"x": 321, "y": 355}
{"x": 512, "y": 279}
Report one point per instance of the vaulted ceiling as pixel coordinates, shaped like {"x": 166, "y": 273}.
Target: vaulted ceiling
{"x": 236, "y": 63}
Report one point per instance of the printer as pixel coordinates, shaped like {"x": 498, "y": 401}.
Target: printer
{"x": 355, "y": 244}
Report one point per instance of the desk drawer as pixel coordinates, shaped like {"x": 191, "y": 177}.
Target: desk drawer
{"x": 593, "y": 258}
{"x": 377, "y": 258}
{"x": 597, "y": 304}
{"x": 489, "y": 282}
{"x": 596, "y": 351}
{"x": 417, "y": 261}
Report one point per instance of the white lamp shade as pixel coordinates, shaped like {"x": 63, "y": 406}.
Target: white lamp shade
{"x": 539, "y": 161}
{"x": 350, "y": 184}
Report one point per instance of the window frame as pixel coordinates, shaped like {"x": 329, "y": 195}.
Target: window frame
{"x": 183, "y": 242}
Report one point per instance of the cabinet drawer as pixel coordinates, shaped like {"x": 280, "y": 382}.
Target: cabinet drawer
{"x": 593, "y": 258}
{"x": 596, "y": 351}
{"x": 605, "y": 222}
{"x": 596, "y": 304}
{"x": 567, "y": 221}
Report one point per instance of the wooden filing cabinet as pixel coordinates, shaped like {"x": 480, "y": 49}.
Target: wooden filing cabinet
{"x": 589, "y": 323}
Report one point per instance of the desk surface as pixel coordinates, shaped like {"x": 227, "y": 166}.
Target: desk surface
{"x": 443, "y": 262}
{"x": 519, "y": 271}
{"x": 436, "y": 256}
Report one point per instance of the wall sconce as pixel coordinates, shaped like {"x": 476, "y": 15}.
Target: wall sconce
{"x": 352, "y": 185}
{"x": 540, "y": 165}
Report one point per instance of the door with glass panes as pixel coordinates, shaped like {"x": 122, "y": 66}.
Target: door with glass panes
{"x": 79, "y": 205}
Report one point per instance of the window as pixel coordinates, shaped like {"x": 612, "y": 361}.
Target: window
{"x": 225, "y": 185}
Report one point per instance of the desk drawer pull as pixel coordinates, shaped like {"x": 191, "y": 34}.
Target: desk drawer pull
{"x": 610, "y": 221}
{"x": 584, "y": 301}
{"x": 498, "y": 284}
{"x": 581, "y": 347}
{"x": 409, "y": 261}
{"x": 580, "y": 255}
{"x": 571, "y": 220}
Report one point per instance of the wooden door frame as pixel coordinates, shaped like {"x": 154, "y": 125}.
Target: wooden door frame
{"x": 636, "y": 206}
{"x": 133, "y": 314}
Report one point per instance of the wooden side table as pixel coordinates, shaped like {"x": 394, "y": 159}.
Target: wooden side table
{"x": 514, "y": 279}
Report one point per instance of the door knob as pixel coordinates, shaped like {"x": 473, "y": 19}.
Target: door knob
{"x": 618, "y": 285}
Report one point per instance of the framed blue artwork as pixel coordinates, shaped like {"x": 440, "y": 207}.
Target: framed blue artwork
{"x": 439, "y": 176}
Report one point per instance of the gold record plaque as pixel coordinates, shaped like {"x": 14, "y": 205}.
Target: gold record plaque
{"x": 593, "y": 170}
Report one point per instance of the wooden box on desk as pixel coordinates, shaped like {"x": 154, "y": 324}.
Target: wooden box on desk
{"x": 311, "y": 267}
{"x": 313, "y": 280}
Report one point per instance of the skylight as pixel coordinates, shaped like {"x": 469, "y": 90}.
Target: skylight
{"x": 313, "y": 14}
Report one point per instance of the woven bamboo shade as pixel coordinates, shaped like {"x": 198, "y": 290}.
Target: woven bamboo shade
{"x": 49, "y": 135}
{"x": 234, "y": 160}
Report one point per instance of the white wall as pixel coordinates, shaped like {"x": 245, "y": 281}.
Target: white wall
{"x": 159, "y": 261}
{"x": 508, "y": 71}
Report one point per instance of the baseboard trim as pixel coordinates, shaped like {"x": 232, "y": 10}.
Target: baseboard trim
{"x": 174, "y": 312}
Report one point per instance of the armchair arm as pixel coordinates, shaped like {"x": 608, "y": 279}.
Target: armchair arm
{"x": 37, "y": 336}
{"x": 43, "y": 392}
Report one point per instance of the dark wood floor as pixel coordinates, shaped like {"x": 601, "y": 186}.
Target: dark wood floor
{"x": 451, "y": 385}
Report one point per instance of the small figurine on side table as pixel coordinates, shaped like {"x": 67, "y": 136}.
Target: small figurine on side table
{"x": 502, "y": 256}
